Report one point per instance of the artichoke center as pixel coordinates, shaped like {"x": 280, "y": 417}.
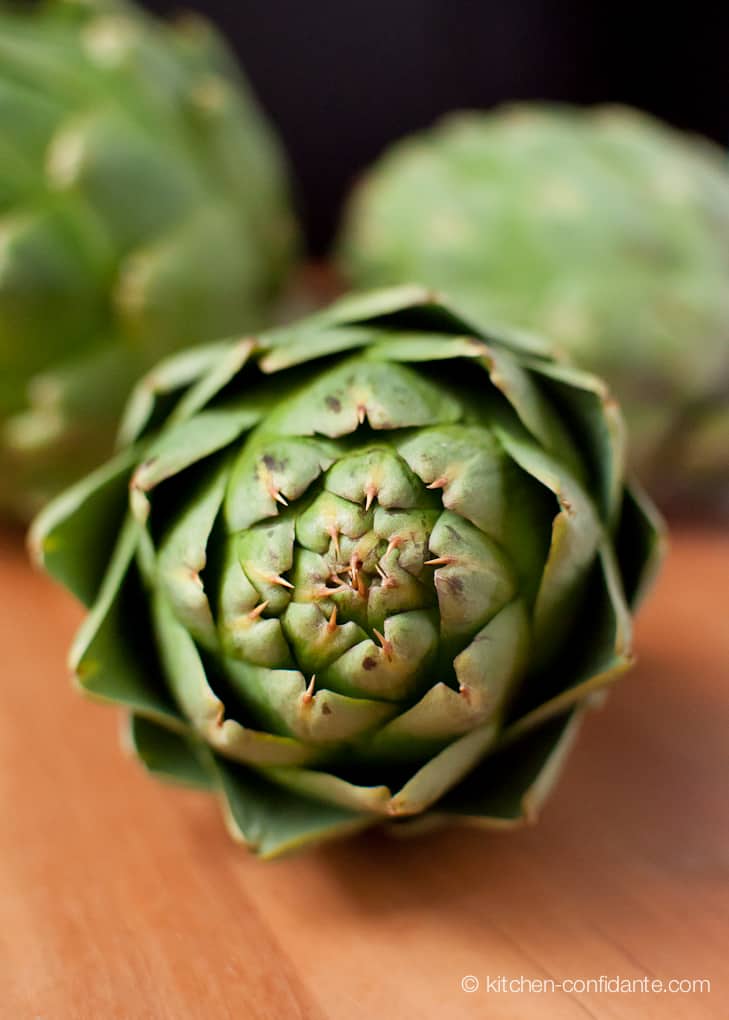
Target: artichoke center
{"x": 366, "y": 560}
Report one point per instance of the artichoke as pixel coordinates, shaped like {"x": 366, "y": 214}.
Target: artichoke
{"x": 604, "y": 230}
{"x": 368, "y": 568}
{"x": 143, "y": 207}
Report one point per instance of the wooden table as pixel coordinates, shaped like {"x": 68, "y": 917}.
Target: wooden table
{"x": 123, "y": 898}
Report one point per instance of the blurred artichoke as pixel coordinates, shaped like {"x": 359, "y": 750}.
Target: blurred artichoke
{"x": 605, "y": 230}
{"x": 366, "y": 568}
{"x": 143, "y": 206}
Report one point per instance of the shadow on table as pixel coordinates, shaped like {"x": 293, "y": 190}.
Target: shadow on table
{"x": 643, "y": 793}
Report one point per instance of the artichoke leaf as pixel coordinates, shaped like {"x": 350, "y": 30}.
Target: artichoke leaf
{"x": 273, "y": 821}
{"x": 73, "y": 537}
{"x": 113, "y": 656}
{"x": 640, "y": 544}
{"x": 190, "y": 687}
{"x": 533, "y": 408}
{"x": 443, "y": 771}
{"x": 576, "y": 533}
{"x": 386, "y": 396}
{"x": 170, "y": 755}
{"x": 488, "y": 670}
{"x": 600, "y": 422}
{"x": 288, "y": 704}
{"x": 200, "y": 371}
{"x": 600, "y": 650}
{"x": 182, "y": 557}
{"x": 287, "y": 346}
{"x": 509, "y": 787}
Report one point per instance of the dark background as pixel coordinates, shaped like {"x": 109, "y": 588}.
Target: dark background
{"x": 342, "y": 79}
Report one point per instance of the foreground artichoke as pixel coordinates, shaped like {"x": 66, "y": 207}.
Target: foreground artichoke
{"x": 603, "y": 229}
{"x": 143, "y": 207}
{"x": 368, "y": 567}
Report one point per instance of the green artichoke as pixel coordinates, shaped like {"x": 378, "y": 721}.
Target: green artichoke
{"x": 602, "y": 229}
{"x": 368, "y": 568}
{"x": 143, "y": 207}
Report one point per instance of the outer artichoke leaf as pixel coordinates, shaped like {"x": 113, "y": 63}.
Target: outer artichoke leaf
{"x": 409, "y": 306}
{"x": 187, "y": 679}
{"x": 332, "y": 789}
{"x": 183, "y": 668}
{"x": 19, "y": 178}
{"x": 272, "y": 820}
{"x": 600, "y": 649}
{"x": 125, "y": 39}
{"x": 519, "y": 341}
{"x": 509, "y": 787}
{"x": 535, "y": 412}
{"x": 435, "y": 316}
{"x": 247, "y": 746}
{"x": 202, "y": 47}
{"x": 243, "y": 154}
{"x": 168, "y": 755}
{"x": 640, "y": 544}
{"x": 370, "y": 305}
{"x": 113, "y": 655}
{"x": 597, "y": 417}
{"x": 152, "y": 292}
{"x": 289, "y": 346}
{"x": 180, "y": 446}
{"x": 33, "y": 116}
{"x": 74, "y": 535}
{"x": 62, "y": 244}
{"x": 91, "y": 385}
{"x": 414, "y": 346}
{"x": 135, "y": 185}
{"x": 443, "y": 772}
{"x": 576, "y": 532}
{"x": 182, "y": 556}
{"x": 50, "y": 70}
{"x": 198, "y": 371}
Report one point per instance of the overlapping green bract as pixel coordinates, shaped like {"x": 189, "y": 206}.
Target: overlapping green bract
{"x": 367, "y": 568}
{"x": 602, "y": 229}
{"x": 143, "y": 207}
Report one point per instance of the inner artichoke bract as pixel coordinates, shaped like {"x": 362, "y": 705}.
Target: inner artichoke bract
{"x": 366, "y": 568}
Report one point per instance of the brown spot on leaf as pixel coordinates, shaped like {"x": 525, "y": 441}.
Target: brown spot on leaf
{"x": 369, "y": 663}
{"x": 326, "y": 710}
{"x": 334, "y": 404}
{"x": 455, "y": 585}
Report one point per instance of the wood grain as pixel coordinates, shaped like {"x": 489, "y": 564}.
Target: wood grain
{"x": 123, "y": 898}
